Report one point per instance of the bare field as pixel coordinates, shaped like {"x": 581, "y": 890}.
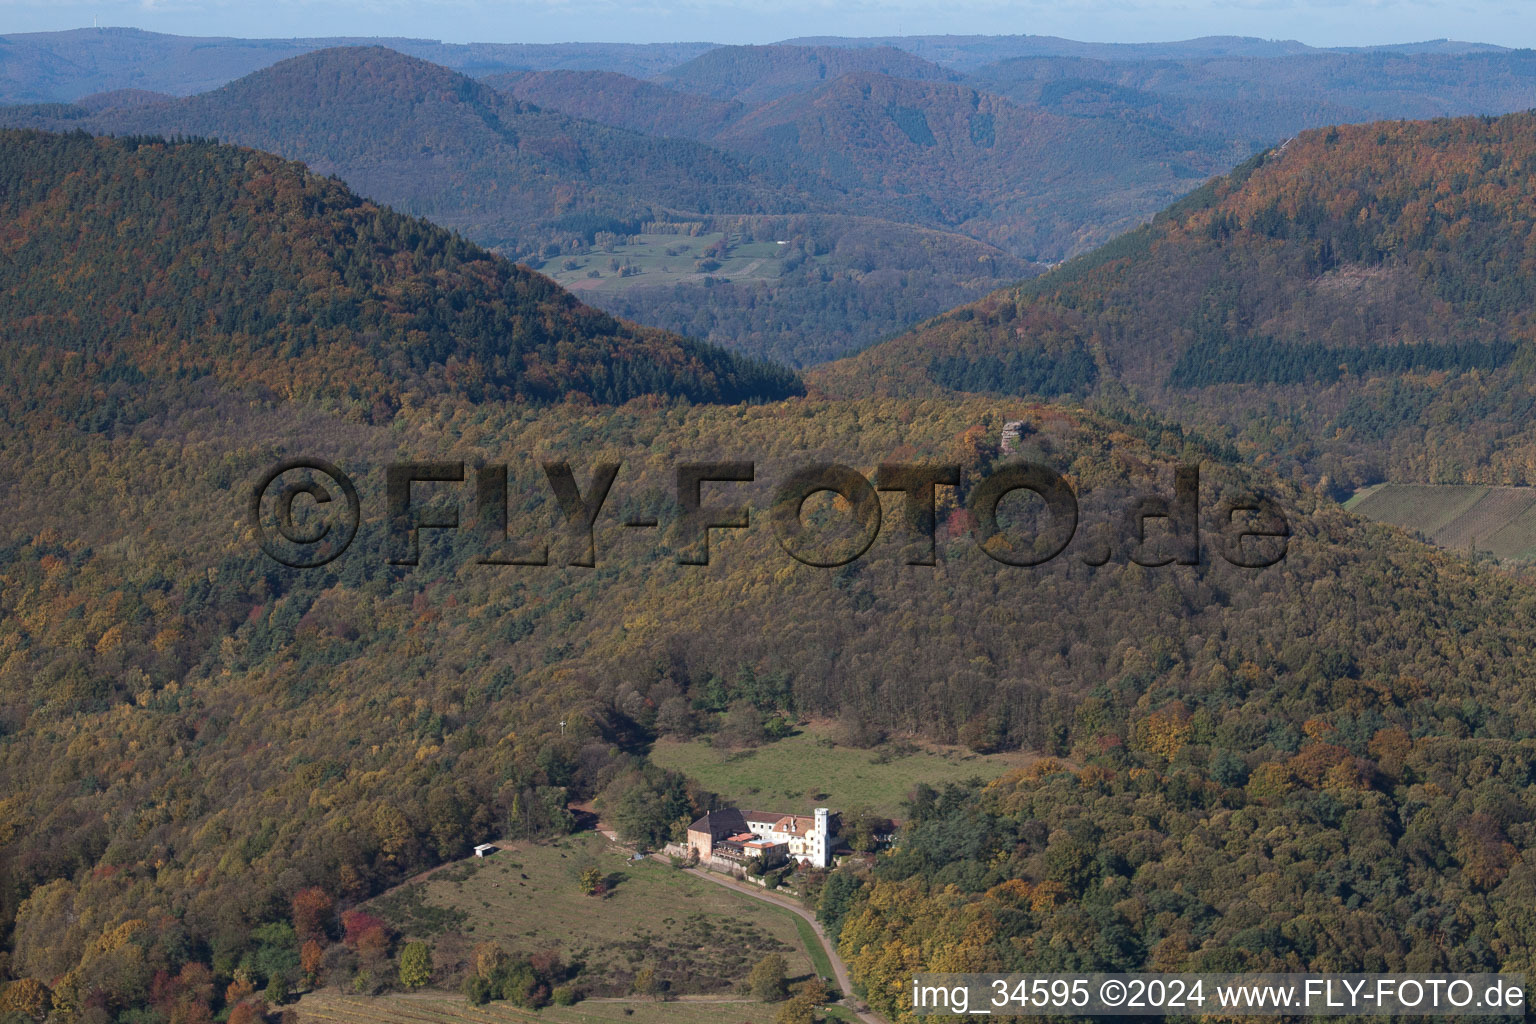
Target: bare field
{"x": 334, "y": 1008}
{"x": 699, "y": 938}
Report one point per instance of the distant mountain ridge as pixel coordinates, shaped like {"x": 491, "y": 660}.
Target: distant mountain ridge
{"x": 758, "y": 74}
{"x": 1034, "y": 159}
{"x": 41, "y": 67}
{"x": 964, "y": 52}
{"x": 1266, "y": 100}
{"x": 52, "y": 67}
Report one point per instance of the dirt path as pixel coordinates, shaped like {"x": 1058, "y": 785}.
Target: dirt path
{"x": 839, "y": 969}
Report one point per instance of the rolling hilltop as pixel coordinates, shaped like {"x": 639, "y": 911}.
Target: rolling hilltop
{"x": 135, "y": 266}
{"x": 1353, "y": 304}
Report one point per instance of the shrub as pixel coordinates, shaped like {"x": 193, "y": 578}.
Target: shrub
{"x": 415, "y": 965}
{"x": 477, "y": 990}
{"x": 768, "y": 980}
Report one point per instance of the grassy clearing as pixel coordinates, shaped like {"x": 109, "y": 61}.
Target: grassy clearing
{"x": 805, "y": 770}
{"x": 662, "y": 260}
{"x": 1363, "y": 493}
{"x": 697, "y": 936}
{"x": 1500, "y": 521}
{"x": 334, "y": 1008}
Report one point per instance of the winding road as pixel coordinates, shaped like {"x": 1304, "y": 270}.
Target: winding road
{"x": 839, "y": 969}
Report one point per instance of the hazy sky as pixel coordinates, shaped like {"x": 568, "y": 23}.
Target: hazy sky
{"x": 1319, "y": 22}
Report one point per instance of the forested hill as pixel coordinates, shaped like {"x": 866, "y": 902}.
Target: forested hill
{"x": 940, "y": 152}
{"x": 1355, "y": 302}
{"x": 192, "y": 735}
{"x": 135, "y": 261}
{"x": 444, "y": 146}
{"x": 1267, "y": 100}
{"x": 619, "y": 100}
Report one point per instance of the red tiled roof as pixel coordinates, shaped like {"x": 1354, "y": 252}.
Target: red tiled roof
{"x": 732, "y": 822}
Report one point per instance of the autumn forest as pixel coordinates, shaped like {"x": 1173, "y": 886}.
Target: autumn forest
{"x": 226, "y": 777}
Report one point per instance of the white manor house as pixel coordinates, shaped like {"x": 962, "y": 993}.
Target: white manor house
{"x": 737, "y": 835}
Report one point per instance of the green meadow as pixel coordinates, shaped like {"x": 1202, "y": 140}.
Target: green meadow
{"x": 808, "y": 769}
{"x": 662, "y": 260}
